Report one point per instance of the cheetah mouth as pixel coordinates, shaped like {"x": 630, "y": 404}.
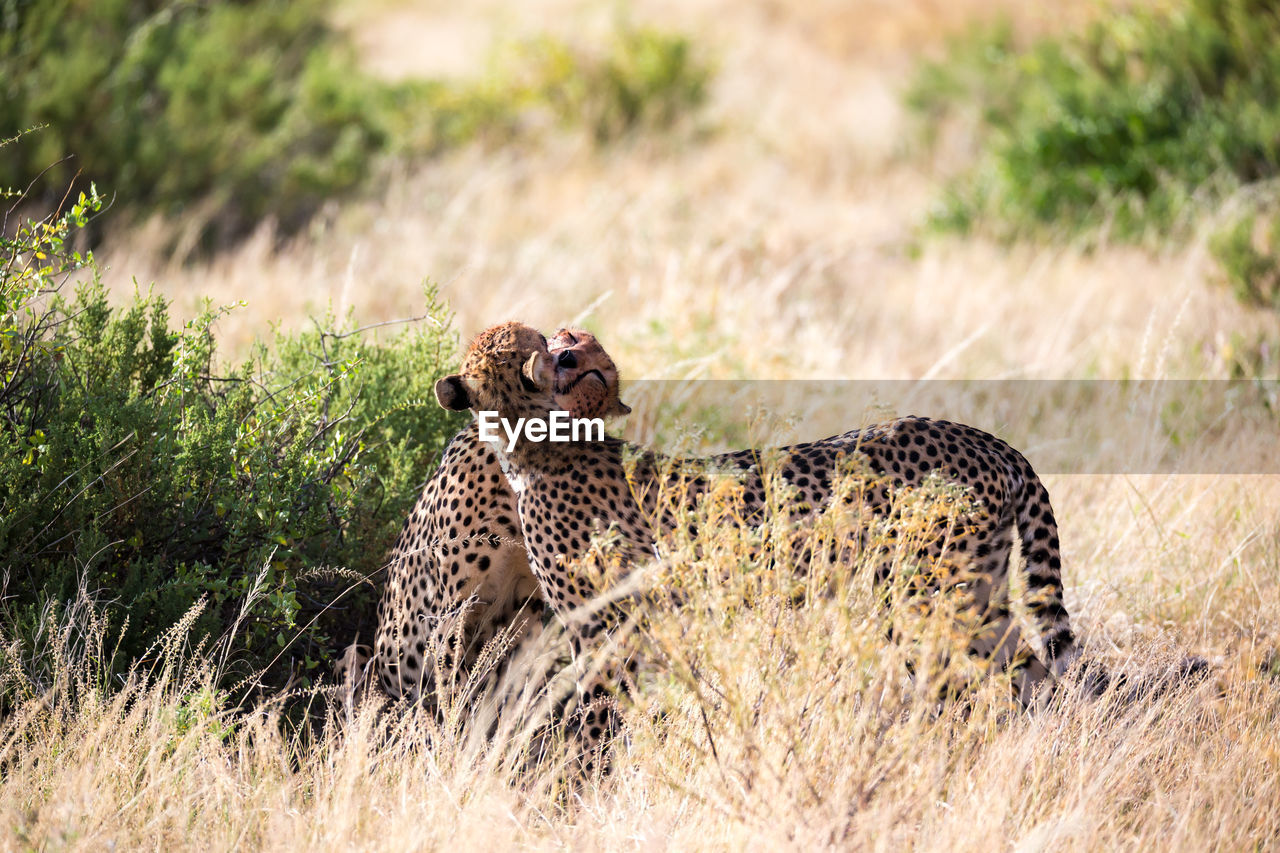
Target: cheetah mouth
{"x": 594, "y": 372}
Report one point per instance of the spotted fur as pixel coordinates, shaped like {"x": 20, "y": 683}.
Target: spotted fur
{"x": 458, "y": 573}
{"x": 568, "y": 493}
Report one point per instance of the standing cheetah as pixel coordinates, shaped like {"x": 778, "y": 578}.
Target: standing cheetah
{"x": 567, "y": 492}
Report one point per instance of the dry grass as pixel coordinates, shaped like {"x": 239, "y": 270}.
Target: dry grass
{"x": 758, "y": 724}
{"x": 780, "y": 246}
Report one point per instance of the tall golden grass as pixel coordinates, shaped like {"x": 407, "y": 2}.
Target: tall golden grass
{"x": 778, "y": 241}
{"x": 756, "y": 723}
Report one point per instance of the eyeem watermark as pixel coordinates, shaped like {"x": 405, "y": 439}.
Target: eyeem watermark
{"x": 559, "y": 426}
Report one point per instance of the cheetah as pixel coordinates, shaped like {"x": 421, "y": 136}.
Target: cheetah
{"x": 568, "y": 492}
{"x": 458, "y": 573}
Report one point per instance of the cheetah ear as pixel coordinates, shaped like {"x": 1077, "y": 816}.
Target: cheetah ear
{"x": 452, "y": 394}
{"x": 618, "y": 409}
{"x": 532, "y": 371}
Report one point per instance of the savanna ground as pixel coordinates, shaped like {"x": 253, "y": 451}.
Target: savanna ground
{"x": 777, "y": 238}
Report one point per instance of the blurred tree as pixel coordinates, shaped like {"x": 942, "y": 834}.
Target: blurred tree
{"x": 227, "y": 112}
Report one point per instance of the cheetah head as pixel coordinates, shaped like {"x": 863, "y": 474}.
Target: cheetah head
{"x": 587, "y": 380}
{"x": 512, "y": 369}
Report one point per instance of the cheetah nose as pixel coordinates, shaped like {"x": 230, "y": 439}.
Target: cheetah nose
{"x": 567, "y": 360}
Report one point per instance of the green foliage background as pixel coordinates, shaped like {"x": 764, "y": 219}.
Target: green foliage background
{"x": 132, "y": 464}
{"x": 232, "y": 110}
{"x": 1135, "y": 125}
{"x": 226, "y": 113}
{"x": 1141, "y": 128}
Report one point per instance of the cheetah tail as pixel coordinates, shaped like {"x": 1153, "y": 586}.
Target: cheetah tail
{"x": 1038, "y": 531}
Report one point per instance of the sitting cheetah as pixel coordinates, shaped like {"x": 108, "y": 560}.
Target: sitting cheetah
{"x": 569, "y": 491}
{"x": 458, "y": 573}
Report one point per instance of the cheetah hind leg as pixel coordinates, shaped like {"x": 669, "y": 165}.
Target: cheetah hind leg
{"x": 604, "y": 673}
{"x": 1002, "y": 644}
{"x": 353, "y": 673}
{"x": 995, "y": 639}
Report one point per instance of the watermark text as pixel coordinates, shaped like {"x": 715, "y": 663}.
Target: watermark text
{"x": 558, "y": 426}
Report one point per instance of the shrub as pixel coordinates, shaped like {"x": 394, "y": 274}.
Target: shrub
{"x": 1247, "y": 249}
{"x": 229, "y": 111}
{"x": 1127, "y": 125}
{"x": 225, "y": 113}
{"x": 645, "y": 80}
{"x": 134, "y": 466}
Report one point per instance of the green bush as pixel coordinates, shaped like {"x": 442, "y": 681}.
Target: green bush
{"x": 640, "y": 80}
{"x": 225, "y": 113}
{"x": 1247, "y": 249}
{"x": 132, "y": 464}
{"x": 645, "y": 80}
{"x": 1131, "y": 125}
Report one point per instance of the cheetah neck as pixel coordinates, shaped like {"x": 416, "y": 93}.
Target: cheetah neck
{"x": 530, "y": 462}
{"x": 515, "y": 478}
